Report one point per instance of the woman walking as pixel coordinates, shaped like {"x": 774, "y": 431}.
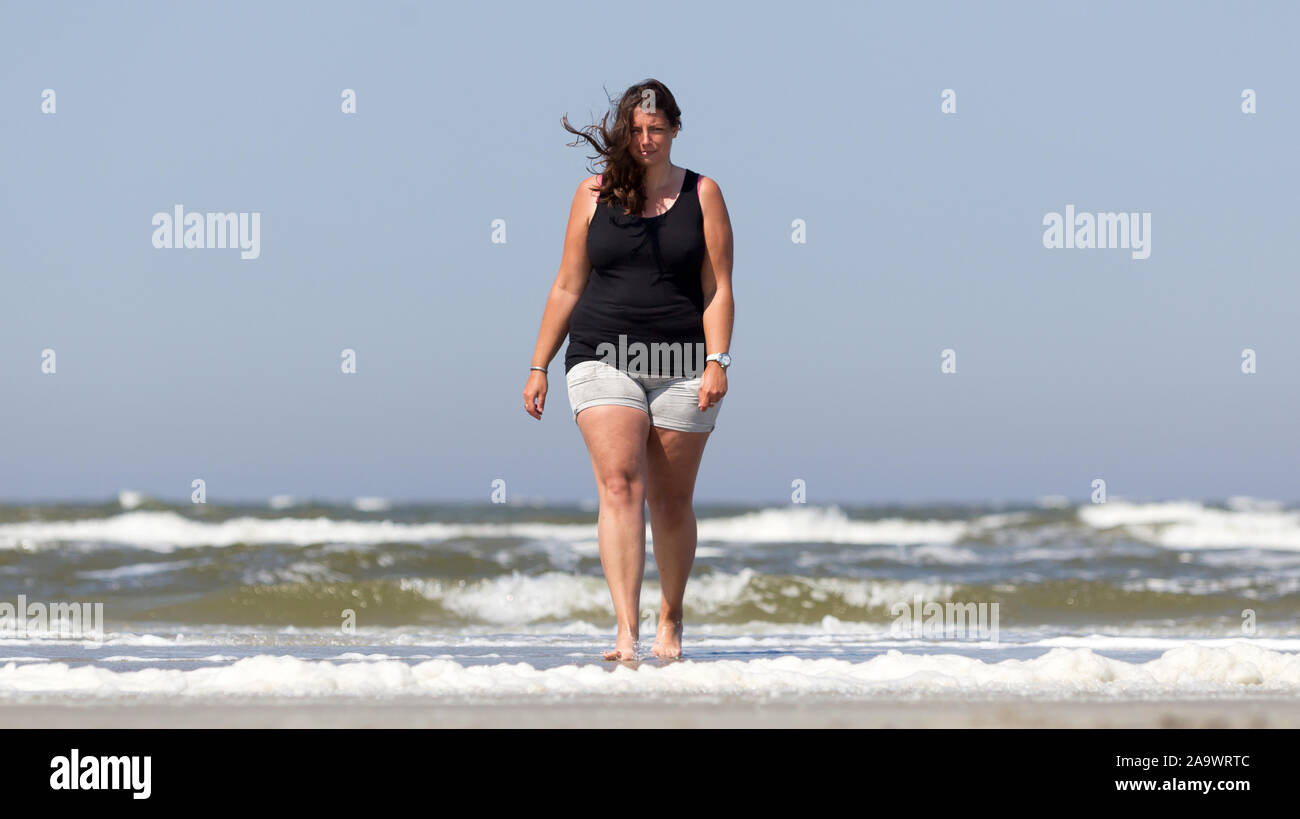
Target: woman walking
{"x": 646, "y": 266}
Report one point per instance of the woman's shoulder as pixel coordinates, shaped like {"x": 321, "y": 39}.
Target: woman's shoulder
{"x": 707, "y": 190}
{"x": 588, "y": 190}
{"x": 592, "y": 185}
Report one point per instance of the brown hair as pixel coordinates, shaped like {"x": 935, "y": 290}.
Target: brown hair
{"x": 624, "y": 177}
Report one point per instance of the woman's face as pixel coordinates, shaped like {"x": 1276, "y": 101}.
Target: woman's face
{"x": 651, "y": 139}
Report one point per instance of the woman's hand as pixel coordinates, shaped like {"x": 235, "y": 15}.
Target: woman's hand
{"x": 713, "y": 385}
{"x": 535, "y": 394}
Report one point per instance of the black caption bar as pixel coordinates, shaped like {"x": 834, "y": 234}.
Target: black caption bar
{"x": 240, "y": 768}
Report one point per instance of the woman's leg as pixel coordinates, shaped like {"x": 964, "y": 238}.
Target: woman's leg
{"x": 673, "y": 461}
{"x": 616, "y": 440}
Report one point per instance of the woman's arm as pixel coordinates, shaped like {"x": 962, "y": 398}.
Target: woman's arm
{"x": 715, "y": 273}
{"x": 571, "y": 279}
{"x": 575, "y": 267}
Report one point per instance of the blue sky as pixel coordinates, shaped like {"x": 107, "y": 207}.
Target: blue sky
{"x": 924, "y": 234}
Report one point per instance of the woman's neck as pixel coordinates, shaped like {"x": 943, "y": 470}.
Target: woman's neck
{"x": 653, "y": 185}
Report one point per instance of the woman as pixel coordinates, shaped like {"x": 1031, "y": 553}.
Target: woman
{"x": 656, "y": 241}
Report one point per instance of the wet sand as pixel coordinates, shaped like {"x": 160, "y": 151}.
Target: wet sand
{"x": 1244, "y": 713}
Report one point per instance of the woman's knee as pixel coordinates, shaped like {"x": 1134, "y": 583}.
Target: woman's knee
{"x": 670, "y": 504}
{"x": 616, "y": 439}
{"x": 621, "y": 486}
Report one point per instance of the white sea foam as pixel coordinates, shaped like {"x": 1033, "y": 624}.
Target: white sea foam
{"x": 517, "y": 598}
{"x": 1191, "y": 525}
{"x": 1256, "y": 586}
{"x": 1124, "y": 513}
{"x": 1233, "y": 669}
{"x": 128, "y": 658}
{"x": 1138, "y": 642}
{"x": 827, "y": 632}
{"x": 1245, "y": 503}
{"x": 828, "y": 524}
{"x": 137, "y": 570}
{"x": 164, "y": 530}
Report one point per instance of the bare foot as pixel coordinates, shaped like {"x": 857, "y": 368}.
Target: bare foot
{"x": 668, "y": 640}
{"x": 624, "y": 647}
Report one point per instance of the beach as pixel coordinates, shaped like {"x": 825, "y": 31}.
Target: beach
{"x": 1195, "y": 714}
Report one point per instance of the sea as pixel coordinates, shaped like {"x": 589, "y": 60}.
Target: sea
{"x": 135, "y": 599}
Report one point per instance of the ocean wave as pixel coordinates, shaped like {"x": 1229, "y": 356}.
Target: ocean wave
{"x": 1189, "y": 670}
{"x": 747, "y": 596}
{"x": 165, "y": 531}
{"x": 1191, "y": 525}
{"x": 1246, "y": 523}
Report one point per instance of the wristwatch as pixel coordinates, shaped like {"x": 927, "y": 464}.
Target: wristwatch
{"x": 723, "y": 359}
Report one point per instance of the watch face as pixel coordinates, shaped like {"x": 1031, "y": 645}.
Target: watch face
{"x": 725, "y": 360}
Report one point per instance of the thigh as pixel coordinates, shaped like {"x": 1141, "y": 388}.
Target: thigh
{"x": 616, "y": 441}
{"x": 672, "y": 464}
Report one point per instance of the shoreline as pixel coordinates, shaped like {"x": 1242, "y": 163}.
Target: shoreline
{"x": 1197, "y": 714}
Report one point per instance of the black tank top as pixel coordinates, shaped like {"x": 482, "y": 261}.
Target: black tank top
{"x": 644, "y": 281}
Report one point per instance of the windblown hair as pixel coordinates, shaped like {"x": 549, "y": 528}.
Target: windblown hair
{"x": 624, "y": 177}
